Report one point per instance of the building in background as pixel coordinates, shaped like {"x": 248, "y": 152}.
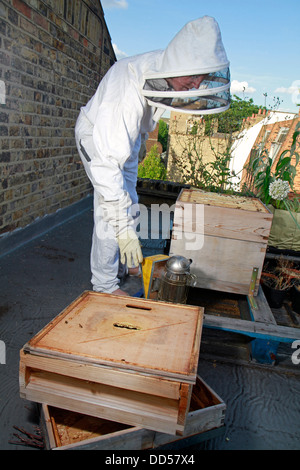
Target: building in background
{"x": 53, "y": 55}
{"x": 273, "y": 129}
{"x": 187, "y": 137}
{"x": 249, "y": 138}
{"x": 275, "y": 135}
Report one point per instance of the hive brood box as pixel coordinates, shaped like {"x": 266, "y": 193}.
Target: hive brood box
{"x": 66, "y": 430}
{"x": 129, "y": 360}
{"x": 225, "y": 235}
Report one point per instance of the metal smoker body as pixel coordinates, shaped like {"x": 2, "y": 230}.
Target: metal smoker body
{"x": 176, "y": 280}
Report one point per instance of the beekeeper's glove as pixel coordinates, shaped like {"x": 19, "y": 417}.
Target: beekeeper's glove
{"x": 130, "y": 248}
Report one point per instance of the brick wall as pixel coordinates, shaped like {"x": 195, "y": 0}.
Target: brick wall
{"x": 268, "y": 137}
{"x": 53, "y": 55}
{"x": 182, "y": 143}
{"x": 153, "y": 140}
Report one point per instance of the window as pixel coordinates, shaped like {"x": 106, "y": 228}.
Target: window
{"x": 282, "y": 134}
{"x": 262, "y": 144}
{"x": 275, "y": 147}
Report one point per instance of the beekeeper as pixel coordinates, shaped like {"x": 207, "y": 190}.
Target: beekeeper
{"x": 191, "y": 75}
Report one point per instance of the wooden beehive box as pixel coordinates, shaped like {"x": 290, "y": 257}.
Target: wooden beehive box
{"x": 65, "y": 430}
{"x": 124, "y": 359}
{"x": 226, "y": 236}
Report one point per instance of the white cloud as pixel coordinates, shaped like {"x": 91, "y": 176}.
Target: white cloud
{"x": 290, "y": 90}
{"x": 293, "y": 89}
{"x": 282, "y": 89}
{"x": 241, "y": 87}
{"x": 114, "y": 3}
{"x": 119, "y": 54}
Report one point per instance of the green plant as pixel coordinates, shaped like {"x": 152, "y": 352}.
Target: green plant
{"x": 163, "y": 133}
{"x": 272, "y": 182}
{"x": 232, "y": 120}
{"x": 194, "y": 166}
{"x": 152, "y": 166}
{"x": 201, "y": 156}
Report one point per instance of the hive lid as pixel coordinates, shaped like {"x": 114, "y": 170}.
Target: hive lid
{"x": 230, "y": 201}
{"x": 128, "y": 333}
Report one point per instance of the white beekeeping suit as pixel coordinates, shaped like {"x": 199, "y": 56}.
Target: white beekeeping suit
{"x": 127, "y": 105}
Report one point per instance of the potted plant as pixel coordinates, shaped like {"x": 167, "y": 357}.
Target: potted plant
{"x": 279, "y": 278}
{"x": 276, "y": 288}
{"x": 273, "y": 184}
{"x": 292, "y": 272}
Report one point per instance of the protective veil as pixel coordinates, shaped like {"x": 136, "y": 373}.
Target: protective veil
{"x": 127, "y": 105}
{"x": 197, "y": 50}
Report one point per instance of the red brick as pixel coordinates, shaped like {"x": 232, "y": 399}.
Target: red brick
{"x": 40, "y": 20}
{"x": 22, "y": 8}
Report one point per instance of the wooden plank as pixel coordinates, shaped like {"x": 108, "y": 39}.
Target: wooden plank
{"x": 105, "y": 375}
{"x": 118, "y": 358}
{"x": 226, "y": 237}
{"x": 262, "y": 313}
{"x": 184, "y": 403}
{"x": 221, "y": 263}
{"x": 253, "y": 329}
{"x": 132, "y": 439}
{"x": 49, "y": 428}
{"x": 127, "y": 333}
{"x": 207, "y": 412}
{"x": 193, "y": 441}
{"x": 103, "y": 401}
{"x": 222, "y": 222}
{"x": 110, "y": 437}
{"x": 224, "y": 200}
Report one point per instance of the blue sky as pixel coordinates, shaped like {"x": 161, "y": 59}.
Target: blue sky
{"x": 261, "y": 38}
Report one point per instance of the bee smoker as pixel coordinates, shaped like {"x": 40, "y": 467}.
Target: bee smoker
{"x": 176, "y": 280}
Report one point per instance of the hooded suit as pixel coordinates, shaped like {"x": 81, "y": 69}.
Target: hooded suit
{"x": 127, "y": 105}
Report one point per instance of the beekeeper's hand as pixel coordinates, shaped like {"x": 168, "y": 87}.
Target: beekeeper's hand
{"x": 130, "y": 248}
